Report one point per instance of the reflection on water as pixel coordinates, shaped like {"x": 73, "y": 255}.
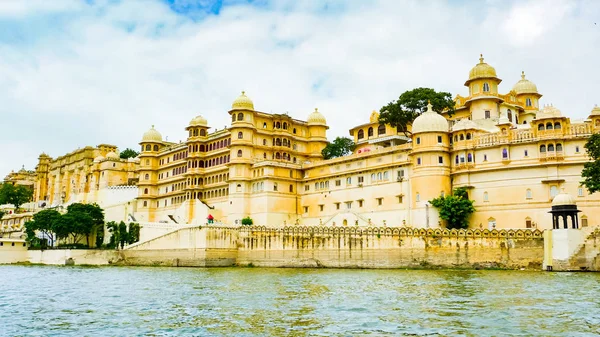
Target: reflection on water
{"x": 76, "y": 301}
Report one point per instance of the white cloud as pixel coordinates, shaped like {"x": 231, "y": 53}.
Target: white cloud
{"x": 105, "y": 73}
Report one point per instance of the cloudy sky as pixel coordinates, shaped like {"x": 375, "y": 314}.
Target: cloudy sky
{"x": 77, "y": 73}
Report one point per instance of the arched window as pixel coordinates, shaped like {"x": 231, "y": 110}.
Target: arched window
{"x": 418, "y": 197}
{"x": 504, "y": 153}
{"x": 370, "y": 132}
{"x": 542, "y": 148}
{"x": 233, "y": 117}
{"x": 195, "y": 132}
{"x": 528, "y": 102}
{"x": 201, "y": 147}
{"x": 485, "y": 196}
{"x": 550, "y": 147}
{"x": 509, "y": 113}
{"x": 240, "y": 135}
{"x": 284, "y": 125}
{"x": 468, "y": 136}
{"x": 373, "y": 177}
{"x": 278, "y": 125}
{"x": 381, "y": 130}
{"x": 456, "y": 160}
{"x": 486, "y": 87}
{"x": 264, "y": 155}
{"x": 559, "y": 147}
{"x": 240, "y": 117}
{"x": 145, "y": 203}
{"x": 379, "y": 176}
{"x": 541, "y": 127}
{"x": 155, "y": 147}
{"x": 147, "y": 177}
{"x": 278, "y": 142}
{"x": 239, "y": 154}
{"x": 145, "y": 191}
{"x": 264, "y": 125}
{"x": 549, "y": 126}
{"x": 294, "y": 131}
{"x": 285, "y": 142}
{"x": 462, "y": 137}
{"x": 361, "y": 134}
{"x": 553, "y": 191}
{"x": 277, "y": 155}
{"x": 294, "y": 160}
{"x": 264, "y": 142}
{"x": 556, "y": 125}
{"x": 470, "y": 157}
{"x": 597, "y": 122}
{"x": 148, "y": 147}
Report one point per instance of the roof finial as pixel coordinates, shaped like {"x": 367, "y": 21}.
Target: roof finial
{"x": 243, "y": 93}
{"x": 480, "y": 58}
{"x": 316, "y": 109}
{"x": 522, "y": 74}
{"x": 153, "y": 126}
{"x": 429, "y": 106}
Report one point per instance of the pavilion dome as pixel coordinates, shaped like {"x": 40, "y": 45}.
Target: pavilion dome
{"x": 316, "y": 118}
{"x": 98, "y": 159}
{"x": 549, "y": 111}
{"x": 374, "y": 117}
{"x": 152, "y": 136}
{"x": 243, "y": 102}
{"x": 525, "y": 86}
{"x": 430, "y": 121}
{"x": 563, "y": 199}
{"x": 112, "y": 155}
{"x": 595, "y": 111}
{"x": 199, "y": 121}
{"x": 481, "y": 70}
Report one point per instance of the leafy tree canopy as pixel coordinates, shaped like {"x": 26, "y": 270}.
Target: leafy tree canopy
{"x": 341, "y": 146}
{"x": 16, "y": 195}
{"x": 128, "y": 153}
{"x": 591, "y": 169}
{"x": 411, "y": 104}
{"x": 455, "y": 209}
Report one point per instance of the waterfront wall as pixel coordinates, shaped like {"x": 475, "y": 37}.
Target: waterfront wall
{"x": 348, "y": 247}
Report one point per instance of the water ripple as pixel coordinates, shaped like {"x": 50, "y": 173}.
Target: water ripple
{"x": 77, "y": 301}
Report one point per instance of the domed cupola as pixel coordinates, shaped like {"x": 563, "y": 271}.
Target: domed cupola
{"x": 429, "y": 121}
{"x": 316, "y": 118}
{"x": 152, "y": 136}
{"x": 595, "y": 111}
{"x": 525, "y": 86}
{"x": 199, "y": 121}
{"x": 112, "y": 155}
{"x": 482, "y": 70}
{"x": 374, "y": 117}
{"x": 242, "y": 103}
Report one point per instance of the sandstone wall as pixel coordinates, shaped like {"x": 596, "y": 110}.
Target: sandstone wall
{"x": 349, "y": 247}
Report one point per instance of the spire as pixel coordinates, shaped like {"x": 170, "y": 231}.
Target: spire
{"x": 480, "y": 58}
{"x": 522, "y": 75}
{"x": 429, "y": 107}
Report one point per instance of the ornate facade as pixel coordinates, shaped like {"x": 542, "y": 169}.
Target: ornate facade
{"x": 512, "y": 156}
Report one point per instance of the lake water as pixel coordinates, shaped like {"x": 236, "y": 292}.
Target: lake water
{"x": 120, "y": 301}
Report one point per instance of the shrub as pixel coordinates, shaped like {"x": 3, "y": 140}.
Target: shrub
{"x": 247, "y": 221}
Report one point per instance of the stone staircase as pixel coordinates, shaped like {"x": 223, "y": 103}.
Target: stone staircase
{"x": 587, "y": 256}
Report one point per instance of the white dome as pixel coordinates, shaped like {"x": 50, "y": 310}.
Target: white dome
{"x": 464, "y": 124}
{"x": 98, "y": 159}
{"x": 549, "y": 111}
{"x": 563, "y": 199}
{"x": 152, "y": 136}
{"x": 430, "y": 121}
{"x": 112, "y": 155}
{"x": 316, "y": 118}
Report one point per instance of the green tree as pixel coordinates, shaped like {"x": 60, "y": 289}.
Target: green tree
{"x": 16, "y": 195}
{"x": 134, "y": 232}
{"x": 123, "y": 234}
{"x": 97, "y": 219}
{"x": 591, "y": 169}
{"x": 128, "y": 153}
{"x": 44, "y": 222}
{"x": 411, "y": 104}
{"x": 455, "y": 209}
{"x": 341, "y": 146}
{"x": 2, "y": 213}
{"x": 113, "y": 229}
{"x": 247, "y": 221}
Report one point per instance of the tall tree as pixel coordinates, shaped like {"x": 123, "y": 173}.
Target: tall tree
{"x": 44, "y": 222}
{"x": 95, "y": 213}
{"x": 341, "y": 146}
{"x": 128, "y": 153}
{"x": 455, "y": 208}
{"x": 411, "y": 104}
{"x": 16, "y": 195}
{"x": 591, "y": 169}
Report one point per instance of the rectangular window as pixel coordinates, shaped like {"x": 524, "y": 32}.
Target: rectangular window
{"x": 584, "y": 222}
{"x": 485, "y": 157}
{"x": 440, "y": 159}
{"x": 306, "y": 187}
{"x": 338, "y": 182}
{"x": 576, "y": 149}
{"x": 360, "y": 203}
{"x": 348, "y": 204}
{"x": 487, "y": 114}
{"x": 526, "y": 153}
{"x": 399, "y": 199}
{"x": 419, "y": 161}
{"x": 379, "y": 201}
{"x": 439, "y": 139}
{"x": 321, "y": 207}
{"x": 580, "y": 192}
{"x": 361, "y": 179}
{"x": 418, "y": 140}
{"x": 337, "y": 205}
{"x": 305, "y": 209}
{"x": 527, "y": 223}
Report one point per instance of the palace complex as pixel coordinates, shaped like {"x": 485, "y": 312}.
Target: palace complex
{"x": 512, "y": 155}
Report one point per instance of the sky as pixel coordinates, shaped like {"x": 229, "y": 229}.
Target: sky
{"x": 78, "y": 73}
